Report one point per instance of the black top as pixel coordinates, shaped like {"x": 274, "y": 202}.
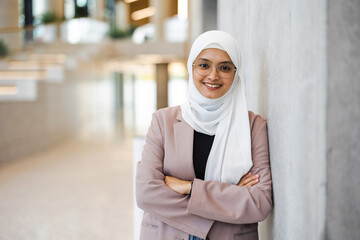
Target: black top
{"x": 201, "y": 150}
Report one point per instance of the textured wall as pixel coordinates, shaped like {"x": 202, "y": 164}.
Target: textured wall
{"x": 284, "y": 50}
{"x": 343, "y": 124}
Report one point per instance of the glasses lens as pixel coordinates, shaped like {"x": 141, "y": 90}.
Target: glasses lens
{"x": 202, "y": 68}
{"x": 226, "y": 70}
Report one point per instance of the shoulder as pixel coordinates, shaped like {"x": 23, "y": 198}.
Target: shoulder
{"x": 168, "y": 115}
{"x": 168, "y": 111}
{"x": 256, "y": 121}
{"x": 162, "y": 122}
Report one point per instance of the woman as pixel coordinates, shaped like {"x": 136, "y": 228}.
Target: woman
{"x": 205, "y": 171}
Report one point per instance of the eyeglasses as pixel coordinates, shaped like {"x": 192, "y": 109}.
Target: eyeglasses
{"x": 224, "y": 70}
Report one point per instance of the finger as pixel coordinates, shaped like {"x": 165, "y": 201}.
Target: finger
{"x": 243, "y": 181}
{"x": 249, "y": 179}
{"x": 253, "y": 182}
{"x": 245, "y": 176}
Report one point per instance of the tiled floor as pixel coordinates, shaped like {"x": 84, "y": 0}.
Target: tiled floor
{"x": 76, "y": 190}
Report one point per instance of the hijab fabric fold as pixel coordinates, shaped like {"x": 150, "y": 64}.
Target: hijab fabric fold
{"x": 225, "y": 117}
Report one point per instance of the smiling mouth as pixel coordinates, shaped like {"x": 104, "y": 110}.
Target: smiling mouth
{"x": 212, "y": 85}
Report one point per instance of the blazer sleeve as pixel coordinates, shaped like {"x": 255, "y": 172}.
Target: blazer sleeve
{"x": 234, "y": 204}
{"x": 154, "y": 197}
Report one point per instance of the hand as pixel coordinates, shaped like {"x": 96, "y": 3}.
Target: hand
{"x": 249, "y": 180}
{"x": 178, "y": 185}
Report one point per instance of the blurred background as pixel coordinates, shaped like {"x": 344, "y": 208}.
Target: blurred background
{"x": 80, "y": 79}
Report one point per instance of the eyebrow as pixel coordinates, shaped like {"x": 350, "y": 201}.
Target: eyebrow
{"x": 207, "y": 60}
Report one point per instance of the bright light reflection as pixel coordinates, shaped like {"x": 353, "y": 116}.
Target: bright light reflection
{"x": 39, "y": 7}
{"x": 69, "y": 6}
{"x": 145, "y": 103}
{"x": 84, "y": 30}
{"x": 81, "y": 3}
{"x": 8, "y": 90}
{"x": 183, "y": 9}
{"x": 177, "y": 69}
{"x": 177, "y": 86}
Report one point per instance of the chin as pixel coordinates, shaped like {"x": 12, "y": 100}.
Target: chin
{"x": 212, "y": 96}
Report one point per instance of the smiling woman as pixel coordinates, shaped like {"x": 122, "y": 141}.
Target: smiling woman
{"x": 199, "y": 176}
{"x": 213, "y": 82}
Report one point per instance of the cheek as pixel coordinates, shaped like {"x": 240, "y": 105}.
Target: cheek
{"x": 197, "y": 79}
{"x": 229, "y": 82}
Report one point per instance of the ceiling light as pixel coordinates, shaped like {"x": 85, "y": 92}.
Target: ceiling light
{"x": 22, "y": 75}
{"x": 143, "y": 13}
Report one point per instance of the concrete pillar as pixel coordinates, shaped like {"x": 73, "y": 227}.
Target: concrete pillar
{"x": 301, "y": 59}
{"x": 57, "y": 7}
{"x": 133, "y": 97}
{"x": 9, "y": 24}
{"x": 209, "y": 8}
{"x": 97, "y": 9}
{"x": 202, "y": 17}
{"x": 162, "y": 12}
{"x": 119, "y": 103}
{"x": 195, "y": 19}
{"x": 122, "y": 13}
{"x": 343, "y": 120}
{"x": 162, "y": 78}
{"x": 9, "y": 17}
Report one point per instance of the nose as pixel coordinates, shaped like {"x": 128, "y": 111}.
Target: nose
{"x": 213, "y": 75}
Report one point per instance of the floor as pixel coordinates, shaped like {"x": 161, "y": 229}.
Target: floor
{"x": 77, "y": 190}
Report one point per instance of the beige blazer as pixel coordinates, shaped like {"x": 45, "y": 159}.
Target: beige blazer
{"x": 215, "y": 210}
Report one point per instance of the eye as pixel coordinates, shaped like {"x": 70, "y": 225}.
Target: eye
{"x": 225, "y": 68}
{"x": 203, "y": 65}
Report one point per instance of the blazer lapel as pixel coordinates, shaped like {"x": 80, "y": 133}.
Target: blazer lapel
{"x": 184, "y": 138}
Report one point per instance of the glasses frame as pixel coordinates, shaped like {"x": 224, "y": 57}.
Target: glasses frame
{"x": 217, "y": 70}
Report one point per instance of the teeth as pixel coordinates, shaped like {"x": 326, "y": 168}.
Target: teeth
{"x": 211, "y": 85}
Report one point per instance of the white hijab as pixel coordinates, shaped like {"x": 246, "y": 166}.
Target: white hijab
{"x": 225, "y": 117}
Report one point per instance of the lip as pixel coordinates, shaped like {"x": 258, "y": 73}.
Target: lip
{"x": 212, "y": 86}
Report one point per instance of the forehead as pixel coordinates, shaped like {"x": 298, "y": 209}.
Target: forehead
{"x": 214, "y": 55}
